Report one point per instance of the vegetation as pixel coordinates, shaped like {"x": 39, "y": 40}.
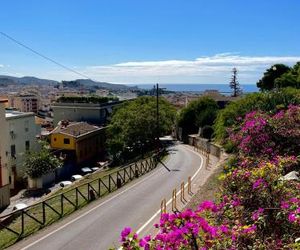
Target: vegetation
{"x": 256, "y": 208}
{"x": 280, "y": 76}
{"x": 198, "y": 113}
{"x": 268, "y": 80}
{"x": 132, "y": 130}
{"x": 289, "y": 79}
{"x": 234, "y": 84}
{"x": 265, "y": 101}
{"x": 40, "y": 163}
{"x": 86, "y": 99}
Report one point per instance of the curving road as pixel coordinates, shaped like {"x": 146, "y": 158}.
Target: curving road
{"x": 98, "y": 225}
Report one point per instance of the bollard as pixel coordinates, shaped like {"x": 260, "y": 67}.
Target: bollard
{"x": 119, "y": 182}
{"x": 182, "y": 198}
{"x": 136, "y": 173}
{"x": 189, "y": 185}
{"x": 207, "y": 159}
{"x": 92, "y": 195}
{"x": 163, "y": 206}
{"x": 174, "y": 201}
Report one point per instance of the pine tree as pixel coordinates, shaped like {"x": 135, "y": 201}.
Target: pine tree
{"x": 234, "y": 84}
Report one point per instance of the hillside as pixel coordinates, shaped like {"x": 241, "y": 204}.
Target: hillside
{"x": 28, "y": 80}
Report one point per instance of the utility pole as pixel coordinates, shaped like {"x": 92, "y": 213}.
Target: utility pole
{"x": 157, "y": 116}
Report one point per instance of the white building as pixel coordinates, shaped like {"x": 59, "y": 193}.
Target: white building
{"x": 18, "y": 135}
{"x": 4, "y": 159}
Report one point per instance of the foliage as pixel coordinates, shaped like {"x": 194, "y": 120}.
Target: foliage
{"x": 257, "y": 208}
{"x": 268, "y": 80}
{"x": 86, "y": 99}
{"x": 39, "y": 163}
{"x": 133, "y": 126}
{"x": 207, "y": 132}
{"x": 235, "y": 111}
{"x": 290, "y": 78}
{"x": 234, "y": 84}
{"x": 197, "y": 114}
{"x": 268, "y": 134}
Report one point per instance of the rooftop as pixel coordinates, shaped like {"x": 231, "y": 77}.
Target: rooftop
{"x": 75, "y": 129}
{"x": 17, "y": 114}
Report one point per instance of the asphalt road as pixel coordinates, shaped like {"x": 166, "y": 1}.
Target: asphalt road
{"x": 98, "y": 226}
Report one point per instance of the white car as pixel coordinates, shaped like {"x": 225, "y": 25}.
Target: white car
{"x": 76, "y": 177}
{"x": 19, "y": 206}
{"x": 86, "y": 170}
{"x": 95, "y": 169}
{"x": 65, "y": 183}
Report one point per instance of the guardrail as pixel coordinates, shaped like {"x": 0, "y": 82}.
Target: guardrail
{"x": 24, "y": 222}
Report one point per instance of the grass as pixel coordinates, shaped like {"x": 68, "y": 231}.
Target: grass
{"x": 73, "y": 199}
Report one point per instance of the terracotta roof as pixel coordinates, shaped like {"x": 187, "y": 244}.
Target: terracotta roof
{"x": 75, "y": 129}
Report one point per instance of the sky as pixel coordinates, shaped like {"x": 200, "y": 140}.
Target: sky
{"x": 149, "y": 41}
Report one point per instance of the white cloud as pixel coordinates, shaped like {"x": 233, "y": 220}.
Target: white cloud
{"x": 1, "y": 65}
{"x": 205, "y": 69}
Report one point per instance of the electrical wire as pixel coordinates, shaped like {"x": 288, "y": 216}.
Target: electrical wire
{"x": 43, "y": 56}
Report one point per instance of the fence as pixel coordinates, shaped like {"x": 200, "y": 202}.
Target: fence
{"x": 21, "y": 223}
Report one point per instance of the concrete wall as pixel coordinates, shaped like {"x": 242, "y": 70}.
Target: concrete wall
{"x": 87, "y": 112}
{"x": 199, "y": 142}
{"x": 4, "y": 196}
{"x": 42, "y": 182}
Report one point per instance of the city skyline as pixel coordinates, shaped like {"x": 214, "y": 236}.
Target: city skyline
{"x": 138, "y": 42}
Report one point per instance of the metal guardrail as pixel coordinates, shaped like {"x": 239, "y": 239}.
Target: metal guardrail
{"x": 24, "y": 222}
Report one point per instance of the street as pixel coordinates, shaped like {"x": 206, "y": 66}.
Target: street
{"x": 98, "y": 225}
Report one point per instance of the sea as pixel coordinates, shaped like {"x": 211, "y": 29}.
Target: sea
{"x": 184, "y": 87}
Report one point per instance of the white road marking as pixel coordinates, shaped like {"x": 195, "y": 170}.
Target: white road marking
{"x": 108, "y": 200}
{"x": 86, "y": 213}
{"x": 169, "y": 201}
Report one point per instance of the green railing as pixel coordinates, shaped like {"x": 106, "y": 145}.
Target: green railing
{"x": 21, "y": 223}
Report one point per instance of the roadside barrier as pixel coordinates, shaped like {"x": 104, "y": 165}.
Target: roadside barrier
{"x": 174, "y": 200}
{"x": 182, "y": 198}
{"x": 163, "y": 206}
{"x": 190, "y": 185}
{"x": 24, "y": 222}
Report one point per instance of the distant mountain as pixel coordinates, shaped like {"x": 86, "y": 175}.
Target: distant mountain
{"x": 100, "y": 85}
{"x": 29, "y": 80}
{"x": 26, "y": 80}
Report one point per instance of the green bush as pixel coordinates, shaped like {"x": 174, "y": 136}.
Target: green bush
{"x": 266, "y": 101}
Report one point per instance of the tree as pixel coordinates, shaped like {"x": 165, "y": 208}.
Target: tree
{"x": 40, "y": 163}
{"x": 268, "y": 80}
{"x": 197, "y": 114}
{"x": 132, "y": 129}
{"x": 290, "y": 78}
{"x": 234, "y": 84}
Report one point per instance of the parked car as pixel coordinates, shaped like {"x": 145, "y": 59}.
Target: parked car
{"x": 19, "y": 206}
{"x": 94, "y": 169}
{"x": 76, "y": 177}
{"x": 86, "y": 170}
{"x": 65, "y": 183}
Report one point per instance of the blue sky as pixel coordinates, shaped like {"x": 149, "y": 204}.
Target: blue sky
{"x": 140, "y": 41}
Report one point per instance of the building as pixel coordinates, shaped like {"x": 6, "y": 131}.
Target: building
{"x": 93, "y": 113}
{"x": 23, "y": 133}
{"x": 4, "y": 158}
{"x": 18, "y": 135}
{"x": 80, "y": 141}
{"x": 24, "y": 103}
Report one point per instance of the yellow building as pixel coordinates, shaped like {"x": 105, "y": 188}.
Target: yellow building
{"x": 80, "y": 139}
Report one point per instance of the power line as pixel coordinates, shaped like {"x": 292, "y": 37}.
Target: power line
{"x": 43, "y": 56}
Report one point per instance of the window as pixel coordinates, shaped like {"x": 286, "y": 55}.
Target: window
{"x": 26, "y": 126}
{"x": 27, "y": 145}
{"x": 13, "y": 151}
{"x": 54, "y": 138}
{"x": 66, "y": 141}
